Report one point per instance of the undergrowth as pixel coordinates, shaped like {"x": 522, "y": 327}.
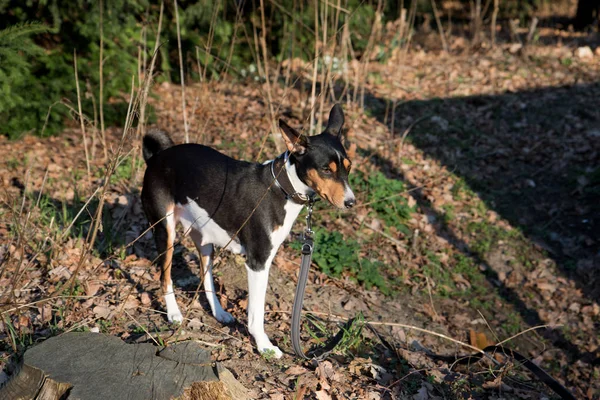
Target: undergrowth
{"x": 382, "y": 196}
{"x": 336, "y": 255}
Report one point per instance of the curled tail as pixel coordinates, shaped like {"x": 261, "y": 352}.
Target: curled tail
{"x": 154, "y": 142}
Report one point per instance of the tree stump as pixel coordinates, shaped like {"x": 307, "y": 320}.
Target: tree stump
{"x": 90, "y": 366}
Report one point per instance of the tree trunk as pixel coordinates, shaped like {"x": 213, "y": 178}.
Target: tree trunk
{"x": 92, "y": 366}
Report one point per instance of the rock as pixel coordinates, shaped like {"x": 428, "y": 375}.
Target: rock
{"x": 584, "y": 52}
{"x": 91, "y": 366}
{"x": 515, "y": 48}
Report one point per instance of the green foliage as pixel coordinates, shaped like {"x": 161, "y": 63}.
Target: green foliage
{"x": 19, "y": 95}
{"x": 383, "y": 196}
{"x": 37, "y": 72}
{"x": 335, "y": 256}
{"x": 36, "y": 59}
{"x": 369, "y": 275}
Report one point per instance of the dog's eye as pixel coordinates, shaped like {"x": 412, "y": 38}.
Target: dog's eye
{"x": 326, "y": 171}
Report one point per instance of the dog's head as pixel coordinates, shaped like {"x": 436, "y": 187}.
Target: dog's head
{"x": 321, "y": 161}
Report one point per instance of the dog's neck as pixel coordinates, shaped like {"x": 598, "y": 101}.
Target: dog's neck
{"x": 299, "y": 186}
{"x": 284, "y": 171}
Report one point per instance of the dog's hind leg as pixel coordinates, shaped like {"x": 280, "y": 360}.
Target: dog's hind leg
{"x": 164, "y": 234}
{"x": 206, "y": 259}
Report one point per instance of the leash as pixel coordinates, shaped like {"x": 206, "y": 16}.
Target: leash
{"x": 307, "y": 251}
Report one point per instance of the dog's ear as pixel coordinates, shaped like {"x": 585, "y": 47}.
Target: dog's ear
{"x": 336, "y": 121}
{"x": 351, "y": 151}
{"x": 294, "y": 140}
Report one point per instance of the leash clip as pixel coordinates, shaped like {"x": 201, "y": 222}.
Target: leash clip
{"x": 308, "y": 232}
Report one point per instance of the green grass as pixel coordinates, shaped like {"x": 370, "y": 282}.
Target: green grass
{"x": 352, "y": 340}
{"x": 125, "y": 170}
{"x": 383, "y": 195}
{"x": 336, "y": 255}
{"x": 19, "y": 339}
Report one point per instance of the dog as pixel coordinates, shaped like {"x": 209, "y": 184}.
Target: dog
{"x": 248, "y": 208}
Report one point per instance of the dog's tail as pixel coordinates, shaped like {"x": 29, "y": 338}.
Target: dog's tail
{"x": 154, "y": 142}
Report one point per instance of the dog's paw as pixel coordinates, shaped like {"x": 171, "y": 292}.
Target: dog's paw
{"x": 224, "y": 317}
{"x": 270, "y": 351}
{"x": 175, "y": 317}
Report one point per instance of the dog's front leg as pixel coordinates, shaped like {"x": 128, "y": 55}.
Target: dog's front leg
{"x": 257, "y": 289}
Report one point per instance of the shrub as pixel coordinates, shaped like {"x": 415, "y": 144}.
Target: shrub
{"x": 37, "y": 71}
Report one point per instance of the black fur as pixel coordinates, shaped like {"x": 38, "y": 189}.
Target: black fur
{"x": 230, "y": 189}
{"x": 154, "y": 142}
{"x": 226, "y": 188}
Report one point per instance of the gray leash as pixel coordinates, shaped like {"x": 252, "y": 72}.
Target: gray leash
{"x": 307, "y": 251}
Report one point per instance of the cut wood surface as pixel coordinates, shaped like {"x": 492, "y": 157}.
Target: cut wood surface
{"x": 90, "y": 366}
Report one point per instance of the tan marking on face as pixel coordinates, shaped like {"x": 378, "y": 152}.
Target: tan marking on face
{"x": 347, "y": 164}
{"x": 333, "y": 166}
{"x": 329, "y": 189}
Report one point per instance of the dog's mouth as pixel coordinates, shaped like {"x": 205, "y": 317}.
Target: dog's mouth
{"x": 345, "y": 203}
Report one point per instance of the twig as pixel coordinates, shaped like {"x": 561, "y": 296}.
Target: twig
{"x": 514, "y": 30}
{"x": 188, "y": 319}
{"x": 431, "y": 298}
{"x": 313, "y": 91}
{"x": 68, "y": 228}
{"x": 148, "y": 76}
{"x": 438, "y": 22}
{"x": 30, "y": 304}
{"x": 387, "y": 236}
{"x": 533, "y": 328}
{"x": 87, "y": 157}
{"x": 263, "y": 41}
{"x": 493, "y": 25}
{"x": 392, "y": 128}
{"x": 407, "y": 131}
{"x": 143, "y": 328}
{"x": 531, "y": 32}
{"x": 185, "y": 124}
{"x": 488, "y": 325}
{"x": 101, "y": 68}
{"x": 339, "y": 318}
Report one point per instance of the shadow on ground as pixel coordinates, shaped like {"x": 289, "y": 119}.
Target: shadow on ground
{"x": 534, "y": 158}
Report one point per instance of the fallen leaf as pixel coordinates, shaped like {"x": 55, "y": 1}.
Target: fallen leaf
{"x": 101, "y": 311}
{"x": 145, "y": 297}
{"x": 322, "y": 395}
{"x": 296, "y": 370}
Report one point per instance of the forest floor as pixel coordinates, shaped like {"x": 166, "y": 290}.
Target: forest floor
{"x": 477, "y": 177}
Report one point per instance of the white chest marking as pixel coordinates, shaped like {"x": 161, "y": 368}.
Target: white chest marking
{"x": 291, "y": 213}
{"x": 192, "y": 216}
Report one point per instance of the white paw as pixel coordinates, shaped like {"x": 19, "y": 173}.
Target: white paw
{"x": 224, "y": 317}
{"x": 175, "y": 317}
{"x": 270, "y": 351}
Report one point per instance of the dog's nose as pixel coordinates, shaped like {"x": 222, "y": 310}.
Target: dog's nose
{"x": 349, "y": 203}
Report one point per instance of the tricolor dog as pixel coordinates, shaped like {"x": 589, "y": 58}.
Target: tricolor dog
{"x": 249, "y": 208}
